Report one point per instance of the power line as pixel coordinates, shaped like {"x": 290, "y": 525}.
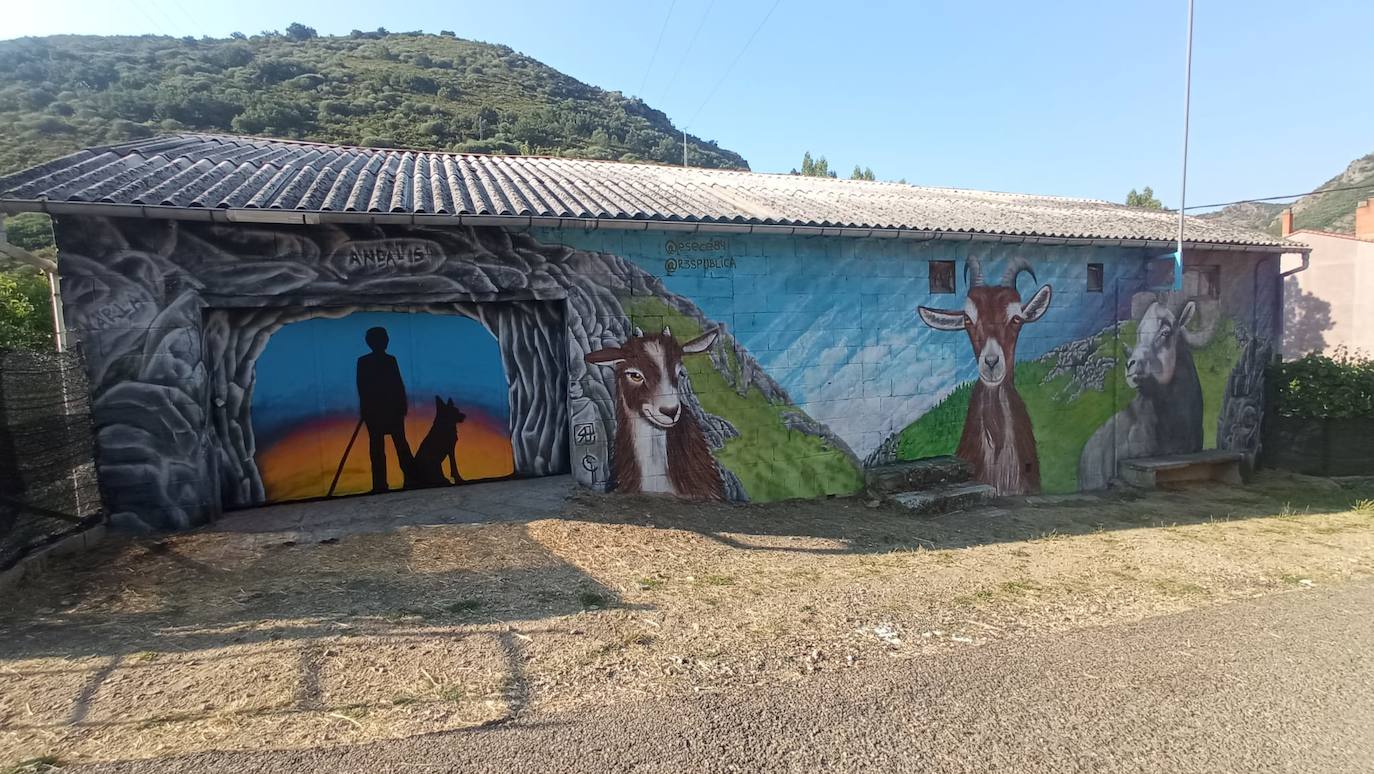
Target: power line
{"x": 161, "y": 14}
{"x": 1276, "y": 198}
{"x": 195, "y": 26}
{"x": 653, "y": 57}
{"x": 692, "y": 42}
{"x": 144, "y": 13}
{"x": 733, "y": 62}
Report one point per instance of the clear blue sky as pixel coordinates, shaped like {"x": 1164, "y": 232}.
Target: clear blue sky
{"x": 1069, "y": 97}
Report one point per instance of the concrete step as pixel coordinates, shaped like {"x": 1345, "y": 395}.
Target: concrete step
{"x": 917, "y": 474}
{"x": 942, "y": 499}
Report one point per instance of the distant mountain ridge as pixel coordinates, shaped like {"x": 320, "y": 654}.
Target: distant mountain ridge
{"x": 404, "y": 90}
{"x": 1330, "y": 211}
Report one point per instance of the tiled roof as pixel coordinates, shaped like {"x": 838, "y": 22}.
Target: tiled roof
{"x": 235, "y": 174}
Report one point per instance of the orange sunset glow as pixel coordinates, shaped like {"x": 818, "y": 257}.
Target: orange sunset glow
{"x": 301, "y": 465}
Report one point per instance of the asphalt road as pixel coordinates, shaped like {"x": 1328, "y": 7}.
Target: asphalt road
{"x": 1285, "y": 683}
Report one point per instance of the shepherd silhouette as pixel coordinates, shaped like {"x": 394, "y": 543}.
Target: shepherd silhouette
{"x": 382, "y": 407}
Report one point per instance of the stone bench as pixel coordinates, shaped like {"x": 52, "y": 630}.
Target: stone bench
{"x": 1213, "y": 465}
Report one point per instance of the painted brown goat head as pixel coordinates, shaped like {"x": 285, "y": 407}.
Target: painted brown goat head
{"x": 993, "y": 316}
{"x": 649, "y": 370}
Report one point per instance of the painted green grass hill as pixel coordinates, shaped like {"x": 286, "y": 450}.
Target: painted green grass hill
{"x": 404, "y": 90}
{"x": 1065, "y": 418}
{"x": 772, "y": 461}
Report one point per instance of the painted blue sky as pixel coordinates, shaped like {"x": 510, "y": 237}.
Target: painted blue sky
{"x": 834, "y": 321}
{"x": 839, "y": 328}
{"x": 309, "y": 368}
{"x": 1076, "y": 98}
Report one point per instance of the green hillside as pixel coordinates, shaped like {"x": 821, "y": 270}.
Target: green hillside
{"x": 771, "y": 460}
{"x": 1324, "y": 210}
{"x": 404, "y": 90}
{"x": 1335, "y": 211}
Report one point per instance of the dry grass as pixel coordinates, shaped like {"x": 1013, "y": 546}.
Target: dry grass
{"x": 213, "y": 640}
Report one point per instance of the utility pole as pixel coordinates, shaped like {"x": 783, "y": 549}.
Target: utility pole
{"x": 1183, "y": 185}
{"x": 684, "y": 147}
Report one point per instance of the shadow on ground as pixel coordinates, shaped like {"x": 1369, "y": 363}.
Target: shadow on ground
{"x": 855, "y": 526}
{"x": 180, "y": 634}
{"x": 287, "y": 611}
{"x": 386, "y": 574}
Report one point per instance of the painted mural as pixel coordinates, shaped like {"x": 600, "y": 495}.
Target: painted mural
{"x": 659, "y": 445}
{"x": 997, "y": 438}
{"x": 1169, "y": 378}
{"x": 201, "y": 404}
{"x": 1165, "y": 414}
{"x": 234, "y": 365}
{"x": 423, "y": 405}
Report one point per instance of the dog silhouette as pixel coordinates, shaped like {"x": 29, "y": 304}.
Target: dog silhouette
{"x": 439, "y": 445}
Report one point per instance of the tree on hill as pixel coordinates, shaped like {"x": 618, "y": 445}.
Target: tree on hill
{"x": 428, "y": 92}
{"x": 30, "y": 231}
{"x": 1145, "y": 198}
{"x": 862, "y": 174}
{"x": 298, "y": 31}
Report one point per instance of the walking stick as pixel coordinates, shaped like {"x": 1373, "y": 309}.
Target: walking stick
{"x": 344, "y": 458}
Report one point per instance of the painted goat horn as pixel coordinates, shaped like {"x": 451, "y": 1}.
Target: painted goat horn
{"x": 1015, "y": 267}
{"x": 976, "y": 266}
{"x": 638, "y": 332}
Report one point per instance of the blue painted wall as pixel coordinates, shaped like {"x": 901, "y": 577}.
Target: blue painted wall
{"x": 834, "y": 320}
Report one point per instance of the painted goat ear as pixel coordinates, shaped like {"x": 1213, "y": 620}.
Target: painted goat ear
{"x": 450, "y": 403}
{"x": 700, "y": 343}
{"x": 666, "y": 331}
{"x": 1039, "y": 303}
{"x": 606, "y": 357}
{"x": 438, "y": 402}
{"x": 638, "y": 332}
{"x": 942, "y": 319}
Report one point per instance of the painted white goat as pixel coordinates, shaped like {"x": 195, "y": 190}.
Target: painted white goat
{"x": 659, "y": 447}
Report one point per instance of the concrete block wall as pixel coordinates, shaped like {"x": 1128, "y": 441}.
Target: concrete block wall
{"x": 833, "y": 320}
{"x": 823, "y": 364}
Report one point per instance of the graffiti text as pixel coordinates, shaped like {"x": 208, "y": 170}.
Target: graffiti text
{"x": 674, "y": 265}
{"x": 678, "y": 246}
{"x": 386, "y": 256}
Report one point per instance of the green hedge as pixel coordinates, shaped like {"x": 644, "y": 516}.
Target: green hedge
{"x": 1318, "y": 386}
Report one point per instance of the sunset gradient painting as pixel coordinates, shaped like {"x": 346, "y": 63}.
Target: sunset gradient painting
{"x": 305, "y": 401}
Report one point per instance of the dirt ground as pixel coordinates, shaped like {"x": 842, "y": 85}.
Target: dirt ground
{"x": 214, "y": 640}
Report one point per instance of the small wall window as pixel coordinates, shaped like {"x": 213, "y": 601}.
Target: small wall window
{"x": 1159, "y": 273}
{"x": 1202, "y": 282}
{"x": 942, "y": 276}
{"x": 1094, "y": 278}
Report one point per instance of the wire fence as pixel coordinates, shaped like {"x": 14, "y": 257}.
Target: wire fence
{"x": 47, "y": 471}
